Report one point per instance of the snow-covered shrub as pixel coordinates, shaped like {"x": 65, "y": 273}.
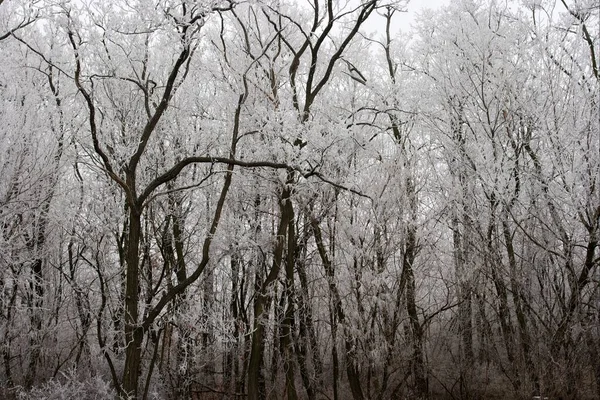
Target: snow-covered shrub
{"x": 69, "y": 387}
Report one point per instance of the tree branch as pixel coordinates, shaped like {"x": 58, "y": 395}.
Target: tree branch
{"x": 92, "y": 121}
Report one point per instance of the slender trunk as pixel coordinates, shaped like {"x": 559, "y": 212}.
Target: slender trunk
{"x": 133, "y": 332}
{"x": 35, "y": 308}
{"x": 334, "y": 354}
{"x": 6, "y": 353}
{"x": 520, "y": 312}
{"x": 461, "y": 255}
{"x": 255, "y": 386}
{"x": 118, "y": 342}
{"x": 582, "y": 281}
{"x": 506, "y": 327}
{"x": 208, "y": 333}
{"x": 464, "y": 288}
{"x": 155, "y": 343}
{"x": 336, "y": 303}
{"x": 288, "y": 321}
{"x": 185, "y": 344}
{"x": 82, "y": 304}
{"x": 307, "y": 338}
{"x": 6, "y": 356}
{"x": 35, "y": 245}
{"x": 278, "y": 343}
{"x": 352, "y": 369}
{"x": 263, "y": 299}
{"x": 391, "y": 337}
{"x": 229, "y": 372}
{"x": 165, "y": 352}
{"x": 418, "y": 359}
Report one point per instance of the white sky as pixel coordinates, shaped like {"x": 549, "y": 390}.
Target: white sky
{"x": 403, "y": 21}
{"x": 414, "y": 6}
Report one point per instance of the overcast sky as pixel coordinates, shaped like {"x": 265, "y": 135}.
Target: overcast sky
{"x": 402, "y": 21}
{"x": 414, "y": 6}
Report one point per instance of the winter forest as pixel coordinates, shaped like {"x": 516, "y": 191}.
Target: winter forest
{"x": 295, "y": 199}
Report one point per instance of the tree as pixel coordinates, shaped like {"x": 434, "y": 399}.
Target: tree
{"x": 264, "y": 199}
{"x": 32, "y": 166}
{"x": 495, "y": 107}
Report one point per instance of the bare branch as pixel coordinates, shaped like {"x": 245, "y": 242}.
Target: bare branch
{"x": 92, "y": 121}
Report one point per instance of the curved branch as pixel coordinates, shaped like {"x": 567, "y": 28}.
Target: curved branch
{"x": 21, "y": 25}
{"x": 586, "y": 36}
{"x": 92, "y": 121}
{"x": 177, "y": 168}
{"x": 311, "y": 93}
{"x": 162, "y": 107}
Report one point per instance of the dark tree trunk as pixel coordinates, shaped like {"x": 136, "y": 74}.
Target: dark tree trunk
{"x": 410, "y": 252}
{"x": 516, "y": 289}
{"x": 307, "y": 338}
{"x": 133, "y": 332}
{"x": 289, "y": 291}
{"x": 336, "y": 304}
{"x": 263, "y": 300}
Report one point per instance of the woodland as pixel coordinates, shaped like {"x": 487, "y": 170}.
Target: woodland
{"x": 295, "y": 199}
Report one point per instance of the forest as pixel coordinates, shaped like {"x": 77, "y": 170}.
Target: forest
{"x": 298, "y": 199}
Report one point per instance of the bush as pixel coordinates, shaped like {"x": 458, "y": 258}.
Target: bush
{"x": 68, "y": 387}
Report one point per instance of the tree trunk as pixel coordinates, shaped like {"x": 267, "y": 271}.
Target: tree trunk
{"x": 133, "y": 333}
{"x": 519, "y": 311}
{"x": 263, "y": 299}
{"x": 288, "y": 321}
{"x": 307, "y": 338}
{"x": 255, "y": 378}
{"x": 418, "y": 360}
{"x": 336, "y": 303}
